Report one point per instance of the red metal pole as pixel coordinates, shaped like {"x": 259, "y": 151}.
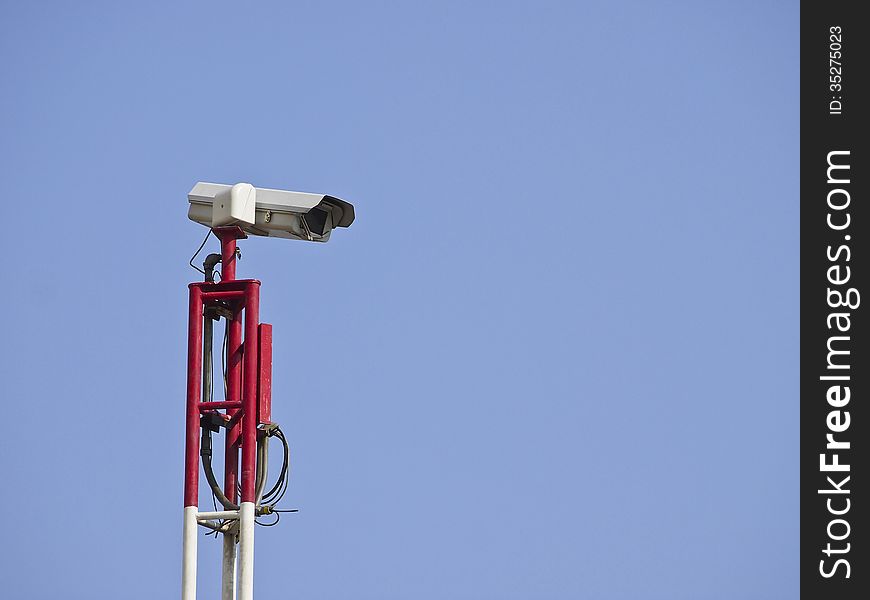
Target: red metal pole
{"x": 249, "y": 392}
{"x": 228, "y": 256}
{"x": 228, "y": 295}
{"x": 228, "y": 237}
{"x": 234, "y": 376}
{"x": 204, "y": 406}
{"x": 194, "y": 375}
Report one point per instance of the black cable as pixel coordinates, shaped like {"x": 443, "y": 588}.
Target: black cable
{"x": 205, "y": 452}
{"x": 268, "y": 502}
{"x": 224, "y": 354}
{"x": 277, "y": 491}
{"x": 274, "y": 495}
{"x": 272, "y": 524}
{"x": 201, "y": 246}
{"x": 208, "y": 393}
{"x": 221, "y": 524}
{"x": 273, "y": 500}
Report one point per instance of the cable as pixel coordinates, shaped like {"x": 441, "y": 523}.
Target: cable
{"x": 207, "y": 369}
{"x": 224, "y": 354}
{"x": 272, "y": 524}
{"x": 265, "y": 502}
{"x": 262, "y": 467}
{"x": 277, "y": 491}
{"x": 205, "y": 452}
{"x": 201, "y": 246}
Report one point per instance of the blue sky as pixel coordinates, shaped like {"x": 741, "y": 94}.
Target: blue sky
{"x": 556, "y": 355}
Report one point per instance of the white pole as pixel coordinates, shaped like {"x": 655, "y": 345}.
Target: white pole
{"x": 228, "y": 568}
{"x": 221, "y": 514}
{"x": 188, "y": 555}
{"x": 246, "y": 551}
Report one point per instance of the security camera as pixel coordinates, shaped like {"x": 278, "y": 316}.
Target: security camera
{"x": 267, "y": 212}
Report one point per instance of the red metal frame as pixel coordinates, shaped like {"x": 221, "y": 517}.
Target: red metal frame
{"x": 249, "y": 374}
{"x": 264, "y": 387}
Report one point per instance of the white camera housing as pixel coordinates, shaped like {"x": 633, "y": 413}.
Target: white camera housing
{"x": 234, "y": 206}
{"x": 268, "y": 212}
